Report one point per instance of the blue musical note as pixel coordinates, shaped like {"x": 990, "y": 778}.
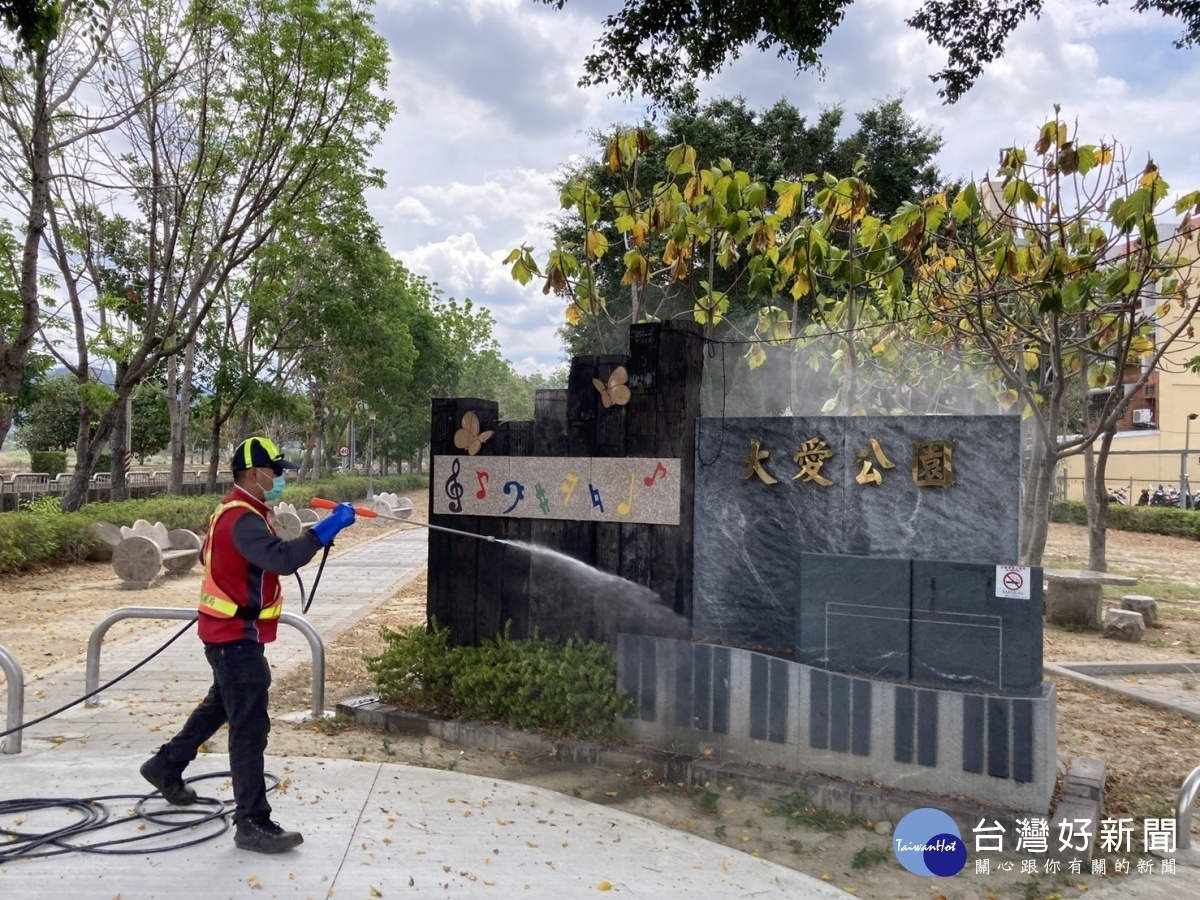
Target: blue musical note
{"x": 520, "y": 491}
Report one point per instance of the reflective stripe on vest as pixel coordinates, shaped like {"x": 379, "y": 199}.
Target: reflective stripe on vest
{"x": 213, "y": 600}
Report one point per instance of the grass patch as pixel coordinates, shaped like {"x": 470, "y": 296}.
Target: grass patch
{"x": 706, "y": 802}
{"x": 797, "y": 808}
{"x": 870, "y": 856}
{"x": 332, "y": 725}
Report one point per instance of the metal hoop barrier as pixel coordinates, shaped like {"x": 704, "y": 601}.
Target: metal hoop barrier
{"x": 168, "y": 612}
{"x": 1183, "y": 810}
{"x": 16, "y": 701}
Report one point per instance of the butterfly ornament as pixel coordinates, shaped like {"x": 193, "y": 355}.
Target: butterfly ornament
{"x": 616, "y": 392}
{"x": 469, "y": 437}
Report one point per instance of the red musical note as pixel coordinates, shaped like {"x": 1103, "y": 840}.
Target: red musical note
{"x": 483, "y": 478}
{"x": 660, "y": 469}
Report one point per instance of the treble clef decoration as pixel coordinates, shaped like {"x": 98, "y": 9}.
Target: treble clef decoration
{"x": 454, "y": 490}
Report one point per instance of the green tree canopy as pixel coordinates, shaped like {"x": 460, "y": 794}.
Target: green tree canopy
{"x": 51, "y": 420}
{"x": 769, "y": 145}
{"x": 655, "y": 47}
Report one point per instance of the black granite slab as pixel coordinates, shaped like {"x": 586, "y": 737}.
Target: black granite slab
{"x": 748, "y": 533}
{"x": 967, "y": 638}
{"x": 974, "y": 520}
{"x": 854, "y": 614}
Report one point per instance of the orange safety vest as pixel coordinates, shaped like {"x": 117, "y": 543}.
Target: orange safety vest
{"x": 214, "y": 601}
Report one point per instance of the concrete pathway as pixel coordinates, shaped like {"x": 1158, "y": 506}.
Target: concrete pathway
{"x": 370, "y": 829}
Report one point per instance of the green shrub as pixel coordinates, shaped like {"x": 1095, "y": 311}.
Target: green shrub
{"x": 1146, "y": 519}
{"x": 40, "y": 533}
{"x": 52, "y": 462}
{"x": 103, "y": 463}
{"x": 415, "y": 667}
{"x": 566, "y": 689}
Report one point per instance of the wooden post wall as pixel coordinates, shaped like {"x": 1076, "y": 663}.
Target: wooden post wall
{"x": 476, "y": 587}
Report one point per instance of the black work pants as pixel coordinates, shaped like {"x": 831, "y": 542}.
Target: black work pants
{"x": 238, "y": 696}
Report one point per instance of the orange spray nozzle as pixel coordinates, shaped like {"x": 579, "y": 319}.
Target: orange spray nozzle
{"x": 319, "y": 503}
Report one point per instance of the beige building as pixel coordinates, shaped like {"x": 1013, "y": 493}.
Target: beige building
{"x": 1161, "y": 421}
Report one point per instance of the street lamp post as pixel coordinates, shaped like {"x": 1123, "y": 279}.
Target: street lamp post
{"x": 1185, "y": 488}
{"x": 371, "y": 457}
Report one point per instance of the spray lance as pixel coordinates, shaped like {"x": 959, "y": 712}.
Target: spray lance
{"x": 318, "y": 503}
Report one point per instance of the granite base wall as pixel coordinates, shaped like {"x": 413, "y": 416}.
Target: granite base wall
{"x": 744, "y": 706}
{"x": 748, "y": 535}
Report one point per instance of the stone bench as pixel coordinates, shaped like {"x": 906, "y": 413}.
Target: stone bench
{"x": 1145, "y": 606}
{"x": 1075, "y": 596}
{"x": 289, "y": 522}
{"x": 1124, "y": 625}
{"x": 141, "y": 551}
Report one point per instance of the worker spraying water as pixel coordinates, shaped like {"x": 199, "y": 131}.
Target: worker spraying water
{"x": 240, "y": 604}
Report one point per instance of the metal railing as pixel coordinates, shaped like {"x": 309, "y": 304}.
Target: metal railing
{"x": 16, "y": 701}
{"x": 302, "y": 625}
{"x": 25, "y": 486}
{"x": 1183, "y": 810}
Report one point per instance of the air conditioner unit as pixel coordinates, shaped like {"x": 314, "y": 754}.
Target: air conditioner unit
{"x": 1143, "y": 417}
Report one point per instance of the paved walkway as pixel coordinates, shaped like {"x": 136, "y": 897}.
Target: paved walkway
{"x": 1171, "y": 684}
{"x": 370, "y": 829}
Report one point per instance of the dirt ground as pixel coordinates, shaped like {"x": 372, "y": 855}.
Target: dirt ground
{"x": 47, "y": 615}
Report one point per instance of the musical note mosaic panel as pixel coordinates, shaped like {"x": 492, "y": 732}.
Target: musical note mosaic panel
{"x": 541, "y": 487}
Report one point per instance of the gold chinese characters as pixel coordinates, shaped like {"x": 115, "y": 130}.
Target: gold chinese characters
{"x": 932, "y": 463}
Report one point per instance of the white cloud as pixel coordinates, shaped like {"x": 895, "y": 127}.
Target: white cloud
{"x": 412, "y": 208}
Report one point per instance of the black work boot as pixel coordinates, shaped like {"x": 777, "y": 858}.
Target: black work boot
{"x": 171, "y": 786}
{"x": 264, "y": 836}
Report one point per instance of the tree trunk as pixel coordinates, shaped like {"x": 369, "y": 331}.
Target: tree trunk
{"x": 14, "y": 356}
{"x": 178, "y": 445}
{"x": 120, "y": 489}
{"x": 1098, "y": 522}
{"x": 184, "y": 424}
{"x": 1035, "y": 504}
{"x": 87, "y": 450}
{"x": 306, "y": 458}
{"x": 1097, "y": 506}
{"x": 214, "y": 456}
{"x": 317, "y": 396}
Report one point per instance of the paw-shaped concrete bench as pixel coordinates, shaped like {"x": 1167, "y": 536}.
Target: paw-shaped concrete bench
{"x": 392, "y": 505}
{"x": 289, "y": 522}
{"x": 141, "y": 551}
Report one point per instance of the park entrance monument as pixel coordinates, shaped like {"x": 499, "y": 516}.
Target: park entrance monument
{"x": 844, "y": 590}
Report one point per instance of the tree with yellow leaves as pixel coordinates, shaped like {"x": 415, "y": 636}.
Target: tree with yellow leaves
{"x": 1059, "y": 274}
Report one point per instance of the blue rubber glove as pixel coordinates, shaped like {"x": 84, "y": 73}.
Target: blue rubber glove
{"x": 339, "y": 517}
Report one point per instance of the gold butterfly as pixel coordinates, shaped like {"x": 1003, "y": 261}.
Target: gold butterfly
{"x": 468, "y": 437}
{"x": 616, "y": 391}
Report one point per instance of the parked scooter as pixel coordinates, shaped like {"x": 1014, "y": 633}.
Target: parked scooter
{"x": 1118, "y": 497}
{"x": 1144, "y": 498}
{"x": 1162, "y": 497}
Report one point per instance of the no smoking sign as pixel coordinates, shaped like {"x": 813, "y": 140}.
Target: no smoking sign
{"x": 1012, "y": 581}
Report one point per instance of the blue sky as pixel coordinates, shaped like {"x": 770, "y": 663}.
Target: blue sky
{"x": 487, "y": 110}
